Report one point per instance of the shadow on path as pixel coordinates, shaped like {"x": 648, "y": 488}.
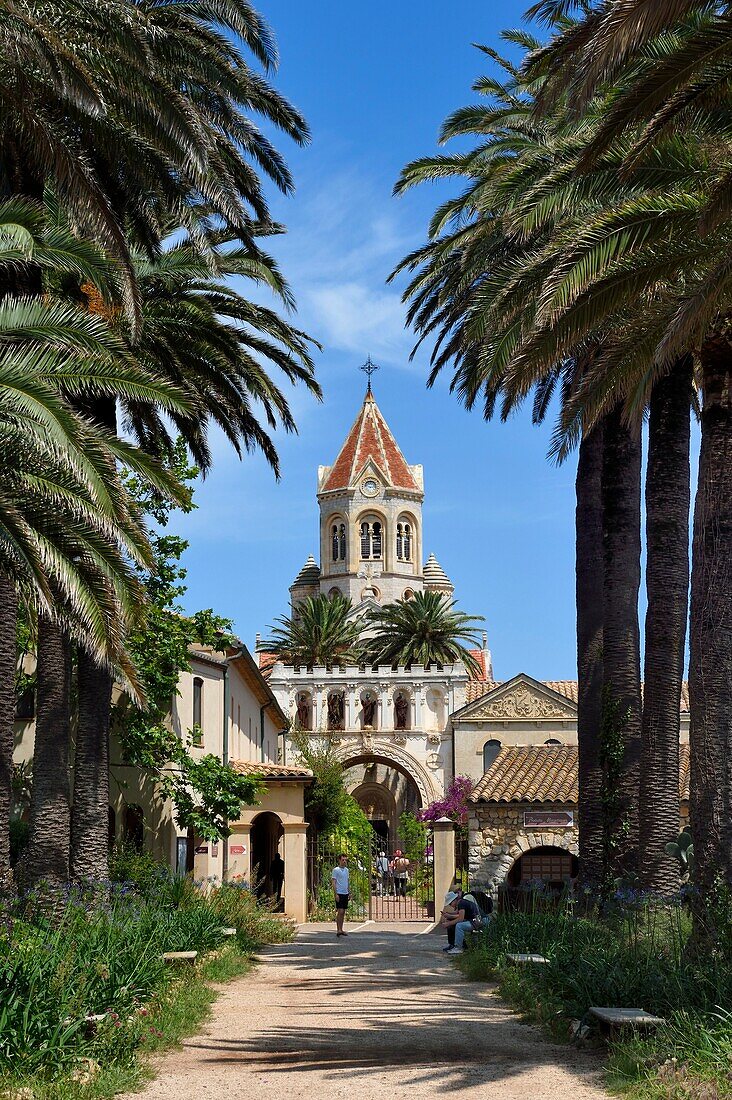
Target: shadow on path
{"x": 381, "y": 1011}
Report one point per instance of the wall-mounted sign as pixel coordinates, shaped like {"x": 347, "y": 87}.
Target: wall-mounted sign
{"x": 237, "y": 849}
{"x": 202, "y": 850}
{"x": 215, "y": 850}
{"x": 548, "y": 819}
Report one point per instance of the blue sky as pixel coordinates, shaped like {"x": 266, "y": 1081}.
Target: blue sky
{"x": 375, "y": 81}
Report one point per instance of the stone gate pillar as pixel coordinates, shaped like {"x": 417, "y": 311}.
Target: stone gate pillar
{"x": 443, "y": 846}
{"x": 295, "y": 856}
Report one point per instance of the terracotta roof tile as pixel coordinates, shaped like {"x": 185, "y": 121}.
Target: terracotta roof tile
{"x": 476, "y": 689}
{"x": 527, "y": 773}
{"x": 479, "y": 655}
{"x": 545, "y": 773}
{"x": 370, "y": 440}
{"x": 271, "y": 771}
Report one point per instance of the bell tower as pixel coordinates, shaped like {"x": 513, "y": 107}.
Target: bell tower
{"x": 370, "y": 513}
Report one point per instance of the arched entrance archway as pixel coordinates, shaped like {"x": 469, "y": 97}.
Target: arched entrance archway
{"x": 264, "y": 843}
{"x": 379, "y": 804}
{"x": 554, "y": 867}
{"x": 385, "y": 789}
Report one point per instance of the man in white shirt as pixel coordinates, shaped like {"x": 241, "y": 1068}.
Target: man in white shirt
{"x": 341, "y": 890}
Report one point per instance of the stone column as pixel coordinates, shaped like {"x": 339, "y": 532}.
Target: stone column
{"x": 443, "y": 847}
{"x": 386, "y": 716}
{"x": 295, "y": 856}
{"x": 418, "y": 704}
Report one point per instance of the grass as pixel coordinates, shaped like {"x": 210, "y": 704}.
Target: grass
{"x": 637, "y": 955}
{"x": 64, "y": 956}
{"x": 175, "y": 1014}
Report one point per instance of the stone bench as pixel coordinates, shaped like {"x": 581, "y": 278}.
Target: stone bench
{"x": 180, "y": 956}
{"x": 521, "y": 960}
{"x": 613, "y": 1019}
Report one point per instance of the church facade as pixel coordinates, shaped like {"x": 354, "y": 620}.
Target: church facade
{"x": 390, "y": 727}
{"x": 402, "y": 734}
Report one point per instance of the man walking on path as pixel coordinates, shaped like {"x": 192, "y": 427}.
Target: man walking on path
{"x": 341, "y": 890}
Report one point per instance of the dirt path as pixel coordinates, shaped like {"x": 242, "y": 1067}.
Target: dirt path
{"x": 378, "y": 1014}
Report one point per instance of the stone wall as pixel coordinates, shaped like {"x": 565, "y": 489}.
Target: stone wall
{"x": 497, "y": 838}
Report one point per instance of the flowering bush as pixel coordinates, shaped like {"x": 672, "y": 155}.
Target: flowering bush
{"x": 454, "y": 805}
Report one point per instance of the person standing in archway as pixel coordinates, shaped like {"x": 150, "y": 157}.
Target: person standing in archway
{"x": 382, "y": 875}
{"x": 401, "y": 874}
{"x": 277, "y": 875}
{"x": 341, "y": 890}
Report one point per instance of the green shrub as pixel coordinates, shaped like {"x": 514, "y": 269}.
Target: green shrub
{"x": 637, "y": 955}
{"x": 66, "y": 956}
{"x": 236, "y": 906}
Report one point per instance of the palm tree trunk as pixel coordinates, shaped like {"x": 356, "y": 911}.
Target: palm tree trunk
{"x": 667, "y": 586}
{"x": 90, "y": 812}
{"x": 47, "y": 856}
{"x": 8, "y": 656}
{"x": 589, "y": 581}
{"x": 710, "y": 669}
{"x": 621, "y": 725}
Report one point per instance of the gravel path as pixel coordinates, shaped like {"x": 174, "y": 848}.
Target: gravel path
{"x": 380, "y": 1013}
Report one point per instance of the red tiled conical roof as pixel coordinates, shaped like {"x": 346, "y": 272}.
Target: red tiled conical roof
{"x": 370, "y": 440}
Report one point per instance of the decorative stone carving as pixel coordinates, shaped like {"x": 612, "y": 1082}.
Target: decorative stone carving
{"x": 369, "y": 709}
{"x": 400, "y": 739}
{"x": 367, "y": 741}
{"x": 522, "y": 702}
{"x": 433, "y": 761}
{"x": 401, "y": 711}
{"x": 433, "y": 738}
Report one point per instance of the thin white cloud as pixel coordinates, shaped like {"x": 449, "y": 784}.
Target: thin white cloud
{"x": 356, "y": 318}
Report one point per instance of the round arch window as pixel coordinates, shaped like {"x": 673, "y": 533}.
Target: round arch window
{"x": 491, "y": 750}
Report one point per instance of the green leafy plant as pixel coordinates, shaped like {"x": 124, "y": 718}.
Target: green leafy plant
{"x": 682, "y": 849}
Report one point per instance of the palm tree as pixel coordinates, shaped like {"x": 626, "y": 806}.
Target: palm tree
{"x": 667, "y": 498}
{"x": 590, "y": 579}
{"x": 137, "y": 111}
{"x": 423, "y": 630}
{"x": 491, "y": 289}
{"x": 69, "y": 537}
{"x": 321, "y": 630}
{"x": 213, "y": 345}
{"x": 678, "y": 77}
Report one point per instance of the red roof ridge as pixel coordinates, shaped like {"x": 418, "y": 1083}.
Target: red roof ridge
{"x": 370, "y": 440}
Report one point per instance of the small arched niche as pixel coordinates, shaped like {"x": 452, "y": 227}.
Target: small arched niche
{"x": 435, "y": 710}
{"x": 369, "y": 709}
{"x": 304, "y": 711}
{"x": 402, "y": 710}
{"x": 336, "y": 710}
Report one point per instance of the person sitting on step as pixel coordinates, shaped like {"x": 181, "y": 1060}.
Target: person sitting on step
{"x": 457, "y": 917}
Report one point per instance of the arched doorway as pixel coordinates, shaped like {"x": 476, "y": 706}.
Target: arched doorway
{"x": 265, "y": 838}
{"x": 550, "y": 866}
{"x": 380, "y": 806}
{"x": 384, "y": 789}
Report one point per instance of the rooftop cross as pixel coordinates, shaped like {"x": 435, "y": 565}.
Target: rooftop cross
{"x": 369, "y": 368}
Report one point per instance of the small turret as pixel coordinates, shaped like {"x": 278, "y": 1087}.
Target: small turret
{"x": 307, "y": 581}
{"x": 435, "y": 577}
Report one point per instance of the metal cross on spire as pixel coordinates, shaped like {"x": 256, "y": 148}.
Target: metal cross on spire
{"x": 369, "y": 368}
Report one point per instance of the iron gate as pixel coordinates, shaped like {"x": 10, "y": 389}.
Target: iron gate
{"x": 403, "y": 890}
